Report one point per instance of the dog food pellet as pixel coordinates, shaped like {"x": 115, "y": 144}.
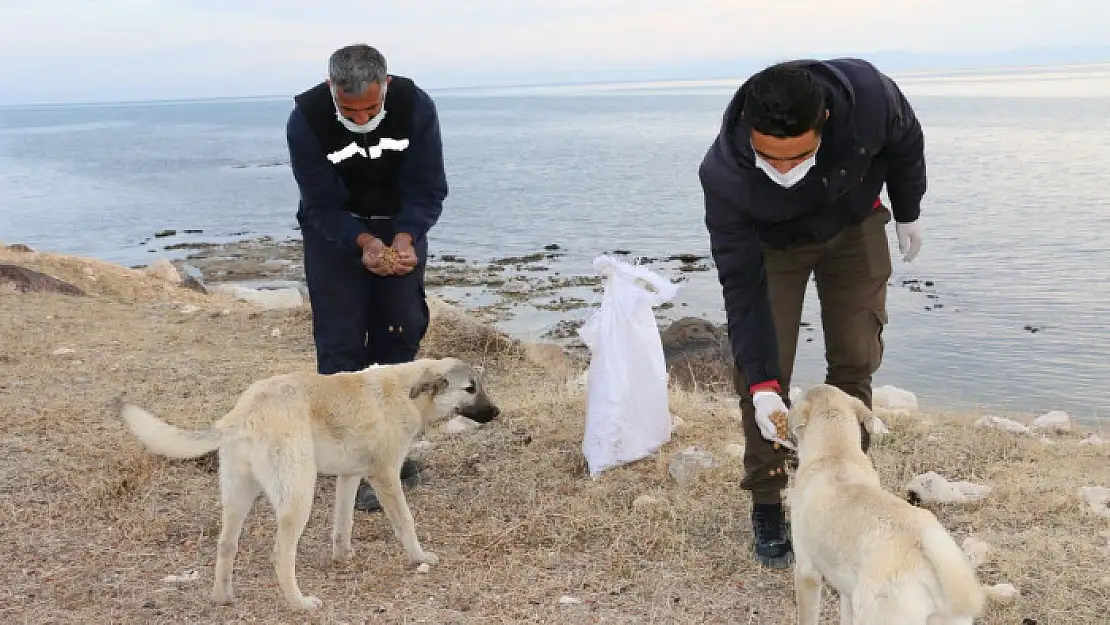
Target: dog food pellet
{"x": 780, "y": 421}
{"x": 389, "y": 255}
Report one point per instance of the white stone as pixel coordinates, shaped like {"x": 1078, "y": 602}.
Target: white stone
{"x": 736, "y": 450}
{"x": 933, "y": 488}
{"x": 421, "y": 446}
{"x": 458, "y": 425}
{"x": 1098, "y": 498}
{"x": 688, "y": 462}
{"x": 1093, "y": 439}
{"x": 165, "y": 270}
{"x": 977, "y": 551}
{"x": 567, "y": 600}
{"x": 1002, "y": 423}
{"x": 189, "y": 309}
{"x": 276, "y": 332}
{"x": 264, "y": 298}
{"x": 644, "y": 501}
{"x": 1055, "y": 421}
{"x": 1002, "y": 593}
{"x": 185, "y": 578}
{"x": 878, "y": 427}
{"x": 423, "y": 568}
{"x": 894, "y": 399}
{"x": 64, "y": 351}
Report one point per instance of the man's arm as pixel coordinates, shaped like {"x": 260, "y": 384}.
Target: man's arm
{"x": 422, "y": 179}
{"x": 738, "y": 254}
{"x": 323, "y": 193}
{"x": 905, "y": 147}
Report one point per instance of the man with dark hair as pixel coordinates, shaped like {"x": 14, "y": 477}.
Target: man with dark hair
{"x": 366, "y": 154}
{"x": 791, "y": 186}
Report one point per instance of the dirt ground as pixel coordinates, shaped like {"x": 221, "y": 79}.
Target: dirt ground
{"x": 92, "y": 524}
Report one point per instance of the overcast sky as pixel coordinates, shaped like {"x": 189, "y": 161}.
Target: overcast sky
{"x": 72, "y": 50}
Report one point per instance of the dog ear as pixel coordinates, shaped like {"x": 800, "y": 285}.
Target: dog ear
{"x": 864, "y": 415}
{"x": 428, "y": 383}
{"x": 799, "y": 415}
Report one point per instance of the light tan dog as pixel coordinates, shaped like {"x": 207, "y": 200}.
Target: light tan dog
{"x": 285, "y": 430}
{"x": 890, "y": 562}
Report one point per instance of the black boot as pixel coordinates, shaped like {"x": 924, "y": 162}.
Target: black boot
{"x": 367, "y": 501}
{"x": 771, "y": 542}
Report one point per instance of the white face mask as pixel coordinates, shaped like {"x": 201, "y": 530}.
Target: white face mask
{"x": 791, "y": 177}
{"x": 369, "y": 126}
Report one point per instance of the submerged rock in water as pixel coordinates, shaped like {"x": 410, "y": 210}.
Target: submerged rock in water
{"x": 23, "y": 280}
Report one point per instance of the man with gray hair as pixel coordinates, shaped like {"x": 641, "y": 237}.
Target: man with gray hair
{"x": 366, "y": 154}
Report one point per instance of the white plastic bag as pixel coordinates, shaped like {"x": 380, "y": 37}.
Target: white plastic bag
{"x": 627, "y": 412}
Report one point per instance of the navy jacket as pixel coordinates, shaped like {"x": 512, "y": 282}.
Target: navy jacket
{"x": 420, "y": 178}
{"x": 872, "y": 138}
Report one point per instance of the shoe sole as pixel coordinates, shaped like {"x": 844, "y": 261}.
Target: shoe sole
{"x": 780, "y": 563}
{"x": 412, "y": 481}
{"x": 777, "y": 563}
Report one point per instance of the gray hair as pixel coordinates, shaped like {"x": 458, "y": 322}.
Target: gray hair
{"x": 352, "y": 69}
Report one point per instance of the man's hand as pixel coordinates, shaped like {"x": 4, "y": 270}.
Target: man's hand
{"x": 909, "y": 239}
{"x": 372, "y": 259}
{"x": 406, "y": 255}
{"x": 767, "y": 404}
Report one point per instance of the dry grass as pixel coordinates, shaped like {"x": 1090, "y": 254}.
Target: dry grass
{"x": 101, "y": 279}
{"x": 92, "y": 523}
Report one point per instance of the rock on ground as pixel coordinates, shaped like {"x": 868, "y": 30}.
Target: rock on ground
{"x": 165, "y": 270}
{"x": 893, "y": 399}
{"x": 1002, "y": 423}
{"x": 697, "y": 352}
{"x": 263, "y": 298}
{"x": 933, "y": 488}
{"x": 1002, "y": 593}
{"x": 1098, "y": 499}
{"x": 684, "y": 465}
{"x": 14, "y": 278}
{"x": 1056, "y": 421}
{"x": 977, "y": 551}
{"x": 550, "y": 357}
{"x": 458, "y": 425}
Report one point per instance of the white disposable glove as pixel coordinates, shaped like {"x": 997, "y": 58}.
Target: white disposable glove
{"x": 766, "y": 404}
{"x": 909, "y": 239}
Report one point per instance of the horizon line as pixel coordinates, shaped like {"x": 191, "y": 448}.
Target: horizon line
{"x": 555, "y": 84}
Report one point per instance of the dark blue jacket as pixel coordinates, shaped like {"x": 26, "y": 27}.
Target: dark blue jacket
{"x": 872, "y": 138}
{"x": 420, "y": 179}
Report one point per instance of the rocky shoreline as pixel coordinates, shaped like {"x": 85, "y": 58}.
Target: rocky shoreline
{"x": 526, "y": 290}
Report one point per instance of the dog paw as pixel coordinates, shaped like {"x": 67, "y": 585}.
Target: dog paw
{"x": 426, "y": 558}
{"x": 340, "y": 555}
{"x": 311, "y": 603}
{"x": 223, "y": 597}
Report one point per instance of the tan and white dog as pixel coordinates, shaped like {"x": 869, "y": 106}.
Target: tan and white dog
{"x": 285, "y": 430}
{"x": 890, "y": 562}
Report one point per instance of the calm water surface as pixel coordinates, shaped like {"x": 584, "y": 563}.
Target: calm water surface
{"x": 1016, "y": 219}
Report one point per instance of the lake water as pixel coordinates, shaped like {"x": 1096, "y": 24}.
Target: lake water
{"x": 1017, "y": 218}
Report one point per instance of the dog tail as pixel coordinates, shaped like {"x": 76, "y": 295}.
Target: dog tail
{"x": 960, "y": 588}
{"x": 169, "y": 440}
